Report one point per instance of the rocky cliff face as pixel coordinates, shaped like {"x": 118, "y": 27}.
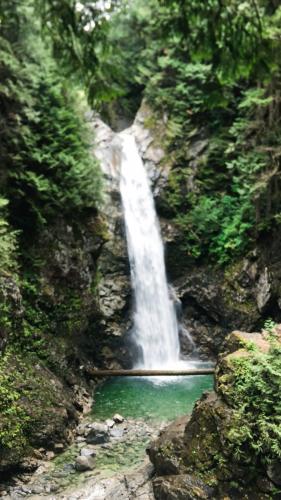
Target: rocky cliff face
{"x": 46, "y": 311}
{"x": 214, "y": 299}
{"x": 195, "y": 457}
{"x": 65, "y": 311}
{"x": 113, "y": 285}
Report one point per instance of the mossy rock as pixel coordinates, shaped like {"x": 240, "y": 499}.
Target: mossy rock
{"x": 165, "y": 453}
{"x": 36, "y": 408}
{"x": 181, "y": 487}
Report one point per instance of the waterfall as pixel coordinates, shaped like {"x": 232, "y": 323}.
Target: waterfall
{"x": 155, "y": 327}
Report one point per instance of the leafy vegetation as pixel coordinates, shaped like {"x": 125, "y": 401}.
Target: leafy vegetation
{"x": 47, "y": 172}
{"x": 46, "y": 159}
{"x": 8, "y": 240}
{"x": 255, "y": 430}
{"x": 210, "y": 71}
{"x": 13, "y": 417}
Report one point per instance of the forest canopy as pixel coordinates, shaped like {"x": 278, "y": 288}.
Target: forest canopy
{"x": 211, "y": 70}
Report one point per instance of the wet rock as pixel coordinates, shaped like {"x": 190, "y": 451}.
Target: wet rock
{"x": 116, "y": 432}
{"x": 38, "y": 489}
{"x": 98, "y": 434}
{"x": 118, "y": 419}
{"x": 82, "y": 429}
{"x": 263, "y": 293}
{"x": 80, "y": 439}
{"x": 201, "y": 454}
{"x": 84, "y": 463}
{"x": 214, "y": 301}
{"x": 87, "y": 451}
{"x": 165, "y": 452}
{"x": 113, "y": 289}
{"x": 197, "y": 148}
{"x": 110, "y": 423}
{"x": 59, "y": 447}
{"x": 150, "y": 143}
{"x": 181, "y": 487}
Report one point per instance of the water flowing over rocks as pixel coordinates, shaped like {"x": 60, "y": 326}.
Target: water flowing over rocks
{"x": 87, "y": 267}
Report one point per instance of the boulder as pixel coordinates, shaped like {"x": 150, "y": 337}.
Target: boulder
{"x": 98, "y": 434}
{"x": 84, "y": 463}
{"x": 116, "y": 432}
{"x": 189, "y": 460}
{"x": 181, "y": 487}
{"x": 110, "y": 423}
{"x": 165, "y": 452}
{"x": 87, "y": 451}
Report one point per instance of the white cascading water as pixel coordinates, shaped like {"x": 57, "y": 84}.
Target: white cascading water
{"x": 155, "y": 323}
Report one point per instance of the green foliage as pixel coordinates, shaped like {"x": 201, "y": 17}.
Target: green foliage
{"x": 211, "y": 71}
{"x": 77, "y": 33}
{"x": 46, "y": 160}
{"x": 255, "y": 395}
{"x": 29, "y": 405}
{"x": 8, "y": 240}
{"x": 269, "y": 326}
{"x": 14, "y": 419}
{"x": 218, "y": 224}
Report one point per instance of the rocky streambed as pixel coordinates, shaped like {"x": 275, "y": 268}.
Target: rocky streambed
{"x": 108, "y": 459}
{"x": 195, "y": 457}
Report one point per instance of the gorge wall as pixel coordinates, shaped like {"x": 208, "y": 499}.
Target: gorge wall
{"x": 73, "y": 312}
{"x": 62, "y": 312}
{"x": 215, "y": 298}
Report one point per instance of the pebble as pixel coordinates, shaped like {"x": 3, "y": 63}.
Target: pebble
{"x": 80, "y": 439}
{"x": 59, "y": 447}
{"x": 118, "y": 419}
{"x": 38, "y": 489}
{"x": 109, "y": 422}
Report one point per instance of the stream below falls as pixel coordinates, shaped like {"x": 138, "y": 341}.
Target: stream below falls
{"x": 120, "y": 467}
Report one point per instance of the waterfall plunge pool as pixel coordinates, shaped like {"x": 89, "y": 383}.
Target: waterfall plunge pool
{"x": 148, "y": 399}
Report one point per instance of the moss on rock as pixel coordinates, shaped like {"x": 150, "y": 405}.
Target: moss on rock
{"x": 232, "y": 440}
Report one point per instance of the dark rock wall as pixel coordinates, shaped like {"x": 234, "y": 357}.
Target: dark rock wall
{"x": 65, "y": 311}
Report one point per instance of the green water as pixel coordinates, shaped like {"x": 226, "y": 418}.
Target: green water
{"x": 154, "y": 400}
{"x": 161, "y": 399}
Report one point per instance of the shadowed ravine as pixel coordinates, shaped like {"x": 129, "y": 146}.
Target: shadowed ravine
{"x": 108, "y": 458}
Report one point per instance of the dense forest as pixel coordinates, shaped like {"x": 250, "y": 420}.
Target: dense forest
{"x": 212, "y": 71}
{"x": 209, "y": 73}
